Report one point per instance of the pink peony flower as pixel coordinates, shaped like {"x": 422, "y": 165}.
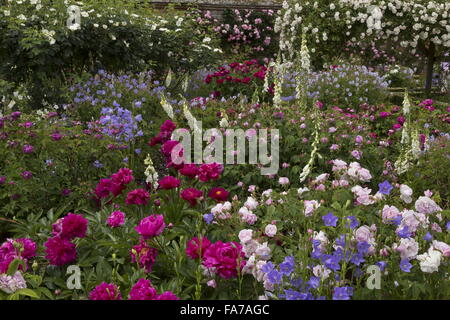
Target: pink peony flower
{"x": 105, "y": 291}
{"x": 145, "y": 256}
{"x": 191, "y": 195}
{"x": 138, "y": 197}
{"x": 143, "y": 290}
{"x": 196, "y": 248}
{"x": 116, "y": 219}
{"x": 224, "y": 258}
{"x": 169, "y": 182}
{"x": 151, "y": 226}
{"x": 60, "y": 252}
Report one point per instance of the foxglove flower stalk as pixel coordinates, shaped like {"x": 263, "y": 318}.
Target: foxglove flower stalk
{"x": 307, "y": 169}
{"x": 167, "y": 106}
{"x": 150, "y": 172}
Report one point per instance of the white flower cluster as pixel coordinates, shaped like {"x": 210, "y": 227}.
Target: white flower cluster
{"x": 403, "y": 21}
{"x": 150, "y": 172}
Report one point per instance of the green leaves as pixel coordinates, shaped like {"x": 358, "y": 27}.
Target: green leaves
{"x": 14, "y": 266}
{"x": 24, "y": 292}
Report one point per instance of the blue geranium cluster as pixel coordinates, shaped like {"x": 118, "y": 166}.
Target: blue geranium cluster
{"x": 120, "y": 123}
{"x": 290, "y": 286}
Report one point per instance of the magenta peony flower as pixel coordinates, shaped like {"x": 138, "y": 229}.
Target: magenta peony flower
{"x": 70, "y": 227}
{"x": 169, "y": 182}
{"x": 123, "y": 177}
{"x": 59, "y": 251}
{"x": 105, "y": 187}
{"x": 196, "y": 248}
{"x": 143, "y": 290}
{"x": 168, "y": 147}
{"x": 145, "y": 255}
{"x": 168, "y": 126}
{"x": 151, "y": 226}
{"x": 189, "y": 170}
{"x": 27, "y": 248}
{"x": 26, "y": 175}
{"x": 28, "y": 149}
{"x": 210, "y": 171}
{"x": 138, "y": 196}
{"x": 224, "y": 258}
{"x": 56, "y": 136}
{"x": 105, "y": 291}
{"x": 116, "y": 219}
{"x": 191, "y": 195}
{"x": 168, "y": 295}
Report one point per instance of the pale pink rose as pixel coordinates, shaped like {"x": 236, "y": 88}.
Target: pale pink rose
{"x": 389, "y": 213}
{"x": 245, "y": 235}
{"x": 363, "y": 234}
{"x": 270, "y": 230}
{"x": 408, "y": 248}
{"x": 443, "y": 247}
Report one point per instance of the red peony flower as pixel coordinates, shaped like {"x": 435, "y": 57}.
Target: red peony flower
{"x": 169, "y": 182}
{"x": 191, "y": 195}
{"x": 196, "y": 248}
{"x": 189, "y": 170}
{"x": 218, "y": 194}
{"x": 138, "y": 196}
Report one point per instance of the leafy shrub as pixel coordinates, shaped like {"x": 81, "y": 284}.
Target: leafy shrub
{"x": 37, "y": 47}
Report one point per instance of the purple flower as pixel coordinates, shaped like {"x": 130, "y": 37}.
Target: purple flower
{"x": 342, "y": 293}
{"x": 267, "y": 267}
{"x": 404, "y": 232}
{"x": 405, "y": 265}
{"x": 2, "y": 179}
{"x": 353, "y": 222}
{"x": 382, "y": 265}
{"x": 330, "y": 220}
{"x": 340, "y": 241}
{"x": 331, "y": 262}
{"x": 28, "y": 149}
{"x": 428, "y": 237}
{"x": 274, "y": 276}
{"x": 27, "y": 175}
{"x": 397, "y": 220}
{"x": 287, "y": 267}
{"x": 448, "y": 225}
{"x": 385, "y": 187}
{"x": 363, "y": 247}
{"x": 314, "y": 282}
{"x": 208, "y": 217}
{"x": 357, "y": 259}
{"x": 97, "y": 164}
